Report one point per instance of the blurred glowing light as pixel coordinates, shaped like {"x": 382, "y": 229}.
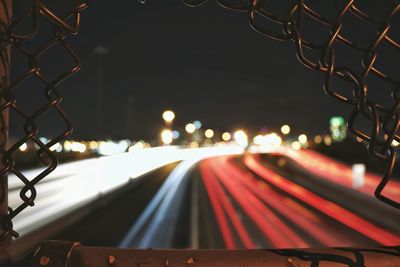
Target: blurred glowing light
{"x": 337, "y": 121}
{"x": 111, "y": 148}
{"x": 395, "y": 143}
{"x": 147, "y": 145}
{"x": 281, "y": 162}
{"x": 336, "y": 133}
{"x": 56, "y": 147}
{"x": 175, "y": 134}
{"x": 285, "y": 129}
{"x": 338, "y": 128}
{"x": 318, "y": 139}
{"x": 44, "y": 140}
{"x": 77, "y": 147}
{"x": 137, "y": 146}
{"x": 194, "y": 145}
{"x": 124, "y": 143}
{"x": 273, "y": 139}
{"x": 197, "y": 124}
{"x": 167, "y": 136}
{"x": 23, "y": 147}
{"x": 226, "y": 136}
{"x": 303, "y": 139}
{"x": 209, "y": 133}
{"x": 168, "y": 116}
{"x": 268, "y": 141}
{"x": 93, "y": 145}
{"x": 296, "y": 145}
{"x": 258, "y": 139}
{"x": 190, "y": 128}
{"x": 67, "y": 146}
{"x": 358, "y": 175}
{"x": 327, "y": 140}
{"x": 241, "y": 138}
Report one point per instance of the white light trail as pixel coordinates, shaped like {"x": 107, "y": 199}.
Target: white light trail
{"x": 72, "y": 185}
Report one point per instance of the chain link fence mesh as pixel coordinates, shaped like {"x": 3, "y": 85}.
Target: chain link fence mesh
{"x": 354, "y": 85}
{"x": 15, "y": 34}
{"x": 285, "y": 25}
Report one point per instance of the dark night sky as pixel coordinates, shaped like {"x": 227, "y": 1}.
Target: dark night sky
{"x": 205, "y": 63}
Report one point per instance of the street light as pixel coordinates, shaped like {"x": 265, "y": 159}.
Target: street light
{"x": 241, "y": 138}
{"x": 296, "y": 145}
{"x": 168, "y": 116}
{"x": 318, "y": 139}
{"x": 395, "y": 143}
{"x": 197, "y": 124}
{"x": 327, "y": 140}
{"x": 167, "y": 136}
{"x": 285, "y": 129}
{"x": 100, "y": 51}
{"x": 226, "y": 136}
{"x": 209, "y": 133}
{"x": 190, "y": 128}
{"x": 303, "y": 139}
{"x": 24, "y": 147}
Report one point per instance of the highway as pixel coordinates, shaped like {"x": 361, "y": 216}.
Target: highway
{"x": 222, "y": 197}
{"x": 70, "y": 201}
{"x": 253, "y": 201}
{"x": 73, "y": 185}
{"x": 339, "y": 173}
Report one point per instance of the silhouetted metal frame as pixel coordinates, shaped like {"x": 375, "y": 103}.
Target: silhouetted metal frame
{"x": 5, "y": 18}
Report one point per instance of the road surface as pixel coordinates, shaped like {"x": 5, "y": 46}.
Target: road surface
{"x": 213, "y": 198}
{"x": 253, "y": 201}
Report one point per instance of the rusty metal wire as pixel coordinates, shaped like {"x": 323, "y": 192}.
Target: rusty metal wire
{"x": 322, "y": 57}
{"x": 62, "y": 26}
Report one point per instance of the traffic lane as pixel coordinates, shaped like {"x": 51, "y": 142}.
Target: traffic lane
{"x": 285, "y": 206}
{"x": 101, "y": 222}
{"x": 209, "y": 236}
{"x": 367, "y": 206}
{"x": 340, "y": 173}
{"x": 105, "y": 225}
{"x": 73, "y": 185}
{"x": 338, "y": 212}
{"x": 156, "y": 225}
{"x": 276, "y": 221}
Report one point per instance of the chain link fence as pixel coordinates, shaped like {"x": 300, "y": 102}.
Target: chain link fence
{"x": 354, "y": 85}
{"x": 15, "y": 36}
{"x": 286, "y": 24}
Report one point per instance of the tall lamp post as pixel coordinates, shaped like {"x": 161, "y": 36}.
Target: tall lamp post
{"x": 100, "y": 51}
{"x": 168, "y": 116}
{"x": 167, "y": 135}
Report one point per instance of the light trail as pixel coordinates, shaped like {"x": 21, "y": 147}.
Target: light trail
{"x": 339, "y": 173}
{"x": 280, "y": 235}
{"x": 222, "y": 220}
{"x": 156, "y": 213}
{"x": 329, "y": 208}
{"x": 153, "y": 228}
{"x": 75, "y": 184}
{"x": 221, "y": 203}
{"x": 300, "y": 216}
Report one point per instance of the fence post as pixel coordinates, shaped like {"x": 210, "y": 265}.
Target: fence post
{"x": 5, "y": 17}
